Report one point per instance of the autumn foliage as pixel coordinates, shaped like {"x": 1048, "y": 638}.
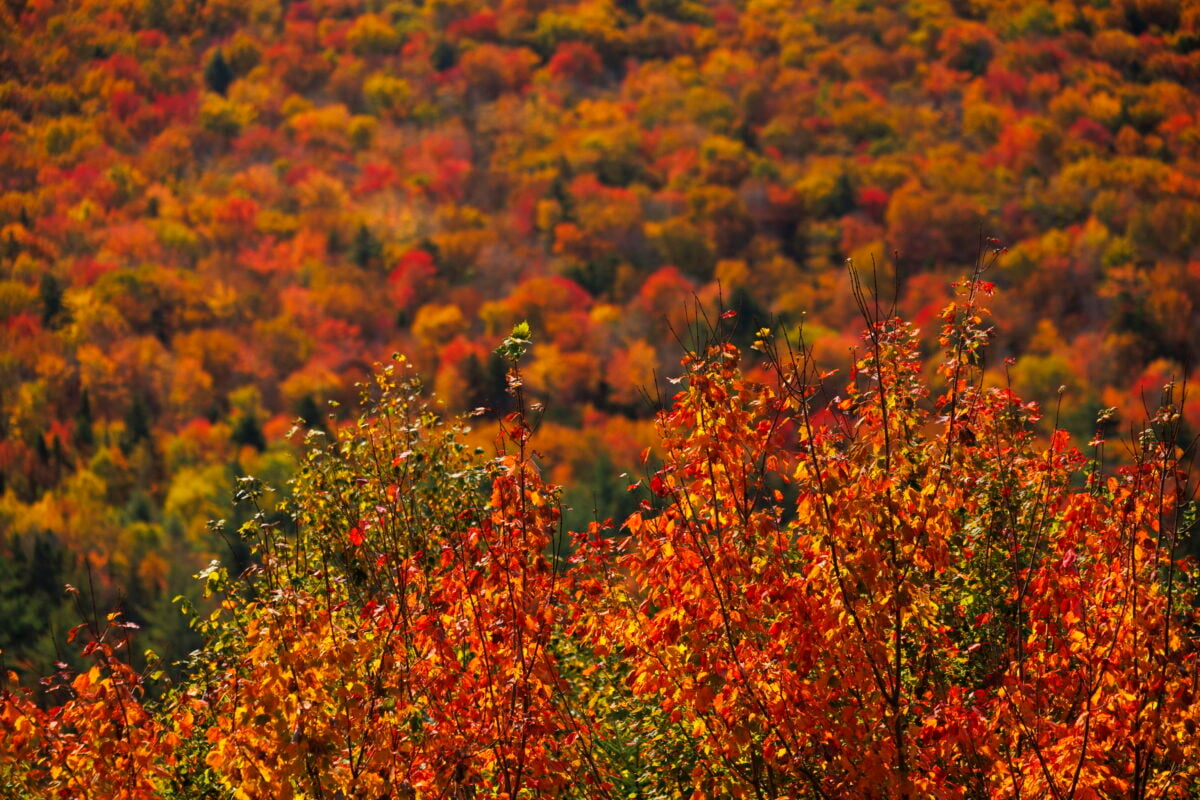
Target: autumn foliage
{"x": 877, "y": 583}
{"x": 902, "y": 594}
{"x": 216, "y": 215}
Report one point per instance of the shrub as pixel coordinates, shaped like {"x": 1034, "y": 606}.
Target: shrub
{"x": 896, "y": 590}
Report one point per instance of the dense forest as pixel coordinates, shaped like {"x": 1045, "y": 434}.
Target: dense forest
{"x": 219, "y": 217}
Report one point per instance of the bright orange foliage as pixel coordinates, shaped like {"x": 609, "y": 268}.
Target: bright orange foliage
{"x": 897, "y": 592}
{"x": 945, "y": 609}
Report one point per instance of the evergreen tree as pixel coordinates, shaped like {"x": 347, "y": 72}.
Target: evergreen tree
{"x": 217, "y": 74}
{"x": 137, "y": 423}
{"x": 247, "y": 431}
{"x": 84, "y": 435}
{"x": 444, "y": 56}
{"x": 487, "y": 383}
{"x": 308, "y": 411}
{"x": 366, "y": 250}
{"x": 50, "y": 293}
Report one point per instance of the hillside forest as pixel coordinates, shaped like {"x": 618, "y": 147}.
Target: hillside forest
{"x": 219, "y": 220}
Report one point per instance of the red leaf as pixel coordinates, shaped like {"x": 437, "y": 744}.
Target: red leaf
{"x": 356, "y": 536}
